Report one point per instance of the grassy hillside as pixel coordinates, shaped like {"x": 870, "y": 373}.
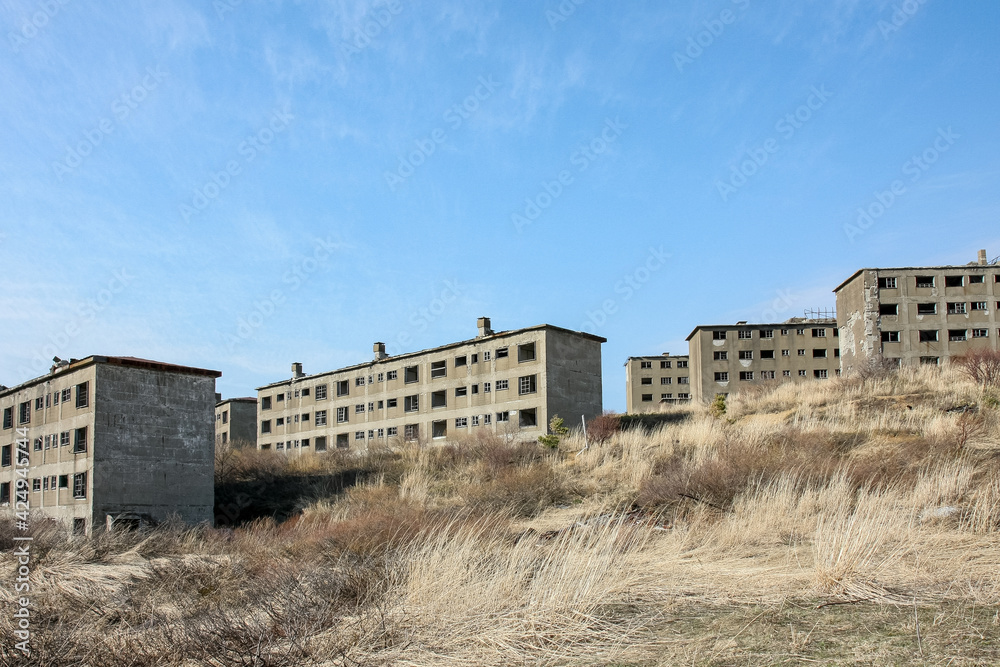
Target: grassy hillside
{"x": 845, "y": 522}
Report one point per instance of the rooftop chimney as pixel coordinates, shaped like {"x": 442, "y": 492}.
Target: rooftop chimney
{"x": 379, "y": 350}
{"x": 218, "y": 397}
{"x": 982, "y": 257}
{"x": 484, "y": 327}
{"x": 297, "y": 371}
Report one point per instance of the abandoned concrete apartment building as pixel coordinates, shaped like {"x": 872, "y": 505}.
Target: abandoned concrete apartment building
{"x": 114, "y": 437}
{"x": 651, "y": 381}
{"x": 918, "y": 315}
{"x": 509, "y": 382}
{"x": 236, "y": 421}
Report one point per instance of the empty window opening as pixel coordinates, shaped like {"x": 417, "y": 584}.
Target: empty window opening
{"x": 954, "y": 281}
{"x": 410, "y": 374}
{"x": 888, "y": 309}
{"x": 439, "y": 399}
{"x": 527, "y": 418}
{"x": 925, "y": 281}
{"x": 439, "y": 369}
{"x": 928, "y": 336}
{"x": 926, "y": 308}
{"x": 526, "y": 352}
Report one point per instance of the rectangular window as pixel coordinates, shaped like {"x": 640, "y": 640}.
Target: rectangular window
{"x": 461, "y": 391}
{"x": 664, "y": 364}
{"x": 265, "y": 403}
{"x": 66, "y": 393}
{"x": 666, "y": 380}
{"x": 954, "y": 281}
{"x": 526, "y": 385}
{"x": 767, "y": 354}
{"x": 24, "y": 413}
{"x": 890, "y": 336}
{"x": 391, "y": 375}
{"x": 980, "y": 333}
{"x": 439, "y": 429}
{"x": 225, "y": 416}
{"x": 296, "y": 393}
{"x": 800, "y": 332}
{"x": 359, "y": 409}
{"x": 411, "y": 431}
{"x": 930, "y": 361}
{"x": 6, "y": 459}
{"x": 682, "y": 364}
{"x": 486, "y": 355}
{"x": 505, "y": 416}
{"x": 411, "y": 374}
{"x": 784, "y": 332}
{"x": 683, "y": 397}
{"x": 265, "y": 426}
{"x": 501, "y": 353}
{"x": 501, "y": 385}
{"x": 487, "y": 419}
{"x": 767, "y": 375}
{"x": 279, "y": 421}
{"x": 926, "y": 308}
{"x": 280, "y": 398}
{"x": 767, "y": 333}
{"x": 720, "y": 356}
{"x": 343, "y": 441}
{"x": 746, "y": 375}
{"x": 342, "y": 415}
{"x": 802, "y": 374}
{"x": 958, "y": 334}
{"x": 411, "y": 403}
{"x": 359, "y": 382}
{"x": 381, "y": 433}
{"x": 38, "y": 444}
{"x": 80, "y": 485}
{"x": 645, "y": 364}
{"x": 8, "y": 417}
{"x": 719, "y": 335}
{"x": 305, "y": 391}
{"x": 486, "y": 387}
{"x": 343, "y": 388}
{"x": 305, "y": 416}
{"x": 526, "y": 352}
{"x": 320, "y": 418}
{"x": 977, "y": 280}
{"x": 381, "y": 377}
{"x": 928, "y": 336}
{"x": 666, "y": 397}
{"x": 800, "y": 353}
{"x": 439, "y": 399}
{"x": 887, "y": 283}
{"x": 461, "y": 361}
{"x": 888, "y": 309}
{"x": 64, "y": 439}
{"x": 4, "y": 493}
{"x": 80, "y": 440}
{"x": 320, "y": 392}
{"x": 390, "y": 402}
{"x": 439, "y": 369}
{"x": 683, "y": 380}
{"x": 475, "y": 420}
{"x": 36, "y": 484}
{"x": 645, "y": 380}
{"x": 392, "y": 431}
{"x": 39, "y": 403}
{"x": 359, "y": 435}
{"x": 746, "y": 354}
{"x": 527, "y": 418}
{"x": 819, "y": 333}
{"x": 744, "y": 334}
{"x": 461, "y": 422}
{"x": 475, "y": 358}
{"x": 820, "y": 374}
{"x": 722, "y": 377}
{"x": 956, "y": 308}
{"x": 321, "y": 443}
{"x": 475, "y": 389}
{"x": 786, "y": 374}
{"x": 925, "y": 281}
{"x": 819, "y": 354}
{"x": 978, "y": 305}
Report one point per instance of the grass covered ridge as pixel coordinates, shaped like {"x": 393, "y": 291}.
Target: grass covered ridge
{"x": 846, "y": 522}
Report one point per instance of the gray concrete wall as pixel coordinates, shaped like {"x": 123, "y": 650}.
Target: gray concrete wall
{"x": 154, "y": 444}
{"x": 573, "y": 378}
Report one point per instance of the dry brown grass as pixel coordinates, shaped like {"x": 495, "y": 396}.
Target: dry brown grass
{"x": 824, "y": 523}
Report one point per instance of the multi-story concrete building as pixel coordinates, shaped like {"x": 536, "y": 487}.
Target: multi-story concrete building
{"x": 236, "y": 421}
{"x": 110, "y": 436}
{"x": 726, "y": 358}
{"x": 511, "y": 382}
{"x": 914, "y": 315}
{"x": 655, "y": 381}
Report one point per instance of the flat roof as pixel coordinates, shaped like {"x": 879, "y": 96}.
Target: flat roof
{"x": 241, "y": 399}
{"x": 442, "y": 348}
{"x": 130, "y": 362}
{"x": 665, "y": 355}
{"x": 950, "y": 267}
{"x": 788, "y": 324}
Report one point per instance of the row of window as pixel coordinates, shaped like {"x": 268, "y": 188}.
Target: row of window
{"x": 411, "y": 374}
{"x": 46, "y": 401}
{"x": 929, "y": 281}
{"x": 748, "y": 355}
{"x": 747, "y": 334}
{"x": 681, "y": 363}
{"x": 439, "y": 429}
{"x": 50, "y": 483}
{"x": 665, "y": 380}
{"x": 952, "y": 308}
{"x": 79, "y": 439}
{"x": 646, "y": 398}
{"x": 933, "y": 335}
{"x": 749, "y": 376}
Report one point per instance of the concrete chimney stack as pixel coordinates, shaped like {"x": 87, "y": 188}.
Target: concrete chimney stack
{"x": 483, "y": 323}
{"x": 982, "y": 257}
{"x": 297, "y": 371}
{"x": 379, "y": 350}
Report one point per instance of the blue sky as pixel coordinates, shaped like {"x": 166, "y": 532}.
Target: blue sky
{"x": 240, "y": 185}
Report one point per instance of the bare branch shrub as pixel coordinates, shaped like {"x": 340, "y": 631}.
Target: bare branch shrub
{"x": 981, "y": 366}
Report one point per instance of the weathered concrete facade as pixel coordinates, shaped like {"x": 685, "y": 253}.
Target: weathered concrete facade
{"x": 236, "y": 421}
{"x": 113, "y": 436}
{"x": 509, "y": 382}
{"x": 727, "y": 358}
{"x": 913, "y": 315}
{"x": 653, "y": 381}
